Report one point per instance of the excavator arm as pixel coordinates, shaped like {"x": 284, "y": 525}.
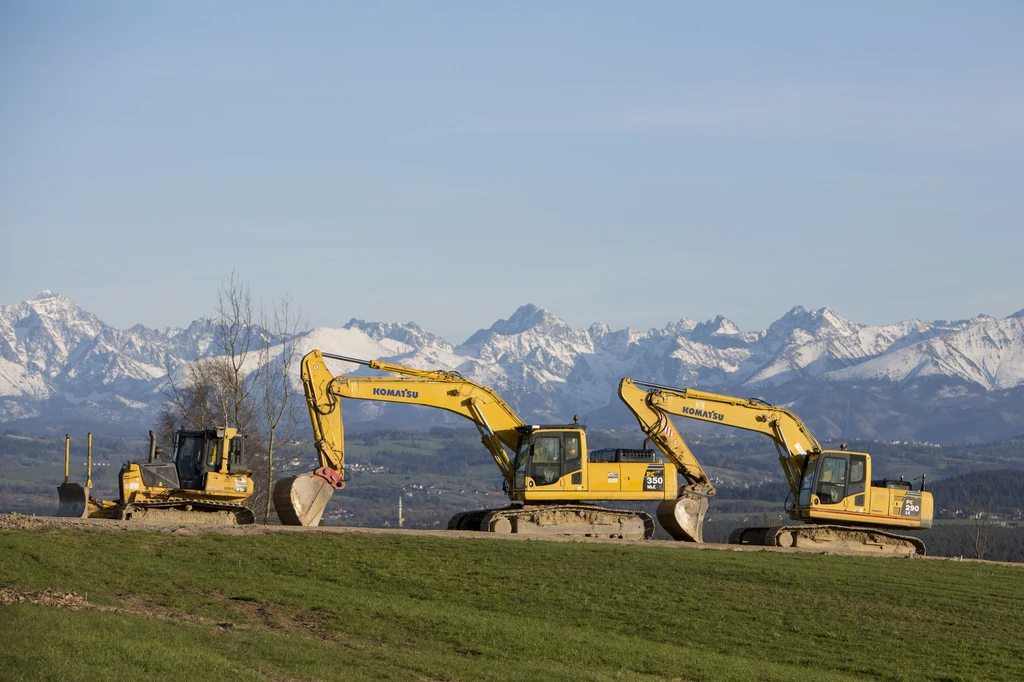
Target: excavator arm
{"x": 656, "y": 424}
{"x": 793, "y": 440}
{"x": 301, "y": 500}
{"x": 683, "y": 518}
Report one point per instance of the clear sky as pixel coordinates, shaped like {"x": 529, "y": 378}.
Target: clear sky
{"x": 631, "y": 163}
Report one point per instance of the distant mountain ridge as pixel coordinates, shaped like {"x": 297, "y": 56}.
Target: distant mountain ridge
{"x": 942, "y": 380}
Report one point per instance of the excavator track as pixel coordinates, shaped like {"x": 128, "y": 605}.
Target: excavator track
{"x": 575, "y": 520}
{"x": 830, "y": 538}
{"x": 207, "y": 512}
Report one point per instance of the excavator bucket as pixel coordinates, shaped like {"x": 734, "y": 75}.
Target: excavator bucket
{"x": 683, "y": 517}
{"x": 73, "y": 500}
{"x": 300, "y": 500}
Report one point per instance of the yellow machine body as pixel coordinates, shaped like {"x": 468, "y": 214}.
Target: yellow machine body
{"x": 836, "y": 488}
{"x": 554, "y": 464}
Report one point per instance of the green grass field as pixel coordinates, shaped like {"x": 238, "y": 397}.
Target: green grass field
{"x": 308, "y": 606}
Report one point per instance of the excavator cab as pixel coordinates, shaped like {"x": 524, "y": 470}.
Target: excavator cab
{"x": 831, "y": 477}
{"x": 547, "y": 454}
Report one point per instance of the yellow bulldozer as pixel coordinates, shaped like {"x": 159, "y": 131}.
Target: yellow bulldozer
{"x": 207, "y": 481}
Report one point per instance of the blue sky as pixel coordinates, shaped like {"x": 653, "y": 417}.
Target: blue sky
{"x": 445, "y": 163}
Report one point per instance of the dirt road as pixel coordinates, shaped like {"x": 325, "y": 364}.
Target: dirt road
{"x": 20, "y": 521}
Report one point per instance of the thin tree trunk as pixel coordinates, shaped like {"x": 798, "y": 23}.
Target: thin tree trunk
{"x": 270, "y": 476}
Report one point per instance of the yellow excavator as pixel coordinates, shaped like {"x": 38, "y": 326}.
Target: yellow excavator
{"x": 840, "y": 506}
{"x": 550, "y": 476}
{"x": 207, "y": 482}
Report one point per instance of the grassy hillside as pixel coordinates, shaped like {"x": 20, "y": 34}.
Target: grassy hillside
{"x": 301, "y": 606}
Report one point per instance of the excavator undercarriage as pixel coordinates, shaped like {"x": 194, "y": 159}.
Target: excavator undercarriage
{"x": 572, "y": 520}
{"x": 830, "y": 538}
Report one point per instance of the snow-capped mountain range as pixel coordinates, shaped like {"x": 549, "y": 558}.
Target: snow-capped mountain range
{"x": 942, "y": 381}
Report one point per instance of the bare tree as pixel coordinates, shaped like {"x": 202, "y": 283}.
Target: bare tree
{"x": 237, "y": 337}
{"x": 197, "y": 400}
{"x": 277, "y": 359}
{"x": 979, "y": 508}
{"x": 979, "y": 500}
{"x": 246, "y": 384}
{"x": 221, "y": 390}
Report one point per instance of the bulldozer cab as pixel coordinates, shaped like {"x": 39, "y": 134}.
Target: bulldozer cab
{"x": 197, "y": 453}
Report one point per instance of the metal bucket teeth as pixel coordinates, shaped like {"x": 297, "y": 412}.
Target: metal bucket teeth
{"x": 300, "y": 500}
{"x": 73, "y": 500}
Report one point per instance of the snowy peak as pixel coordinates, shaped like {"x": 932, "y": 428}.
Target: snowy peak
{"x": 720, "y": 326}
{"x": 58, "y": 360}
{"x": 410, "y": 334}
{"x": 722, "y": 333}
{"x": 823, "y": 321}
{"x": 988, "y": 353}
{"x": 682, "y": 327}
{"x": 527, "y": 318}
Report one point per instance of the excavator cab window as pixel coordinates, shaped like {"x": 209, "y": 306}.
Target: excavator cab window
{"x": 546, "y": 467}
{"x": 858, "y": 476}
{"x": 573, "y": 456}
{"x": 807, "y": 482}
{"x": 832, "y": 472}
{"x": 523, "y": 454}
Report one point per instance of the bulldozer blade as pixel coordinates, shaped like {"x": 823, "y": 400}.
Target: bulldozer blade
{"x": 73, "y": 500}
{"x": 300, "y": 500}
{"x": 683, "y": 518}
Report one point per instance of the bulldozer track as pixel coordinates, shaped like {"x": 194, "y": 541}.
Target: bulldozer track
{"x": 181, "y": 510}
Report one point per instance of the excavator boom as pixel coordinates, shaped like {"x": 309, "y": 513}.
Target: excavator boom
{"x": 301, "y": 500}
